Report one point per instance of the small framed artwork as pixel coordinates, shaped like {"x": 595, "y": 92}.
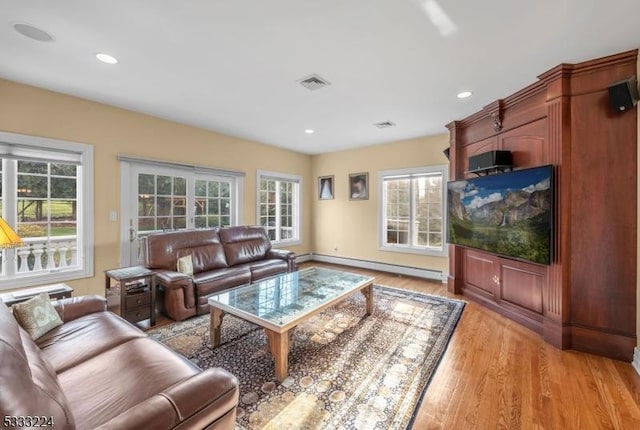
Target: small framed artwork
{"x": 325, "y": 187}
{"x": 359, "y": 186}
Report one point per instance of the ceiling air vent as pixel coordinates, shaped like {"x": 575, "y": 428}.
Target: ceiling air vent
{"x": 32, "y": 32}
{"x": 385, "y": 124}
{"x": 313, "y": 82}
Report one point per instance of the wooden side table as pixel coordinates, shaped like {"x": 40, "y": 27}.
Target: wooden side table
{"x": 133, "y": 295}
{"x": 55, "y": 291}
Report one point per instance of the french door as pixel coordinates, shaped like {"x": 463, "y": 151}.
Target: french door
{"x": 157, "y": 198}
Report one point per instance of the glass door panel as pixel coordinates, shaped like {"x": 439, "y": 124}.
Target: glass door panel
{"x": 212, "y": 202}
{"x": 164, "y": 199}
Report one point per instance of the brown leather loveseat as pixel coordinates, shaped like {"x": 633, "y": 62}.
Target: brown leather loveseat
{"x": 97, "y": 371}
{"x": 222, "y": 258}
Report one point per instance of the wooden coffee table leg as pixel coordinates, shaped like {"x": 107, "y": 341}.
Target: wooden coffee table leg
{"x": 216, "y": 324}
{"x": 279, "y": 347}
{"x": 368, "y": 294}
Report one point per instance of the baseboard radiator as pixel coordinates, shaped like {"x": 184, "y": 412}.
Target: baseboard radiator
{"x": 374, "y": 265}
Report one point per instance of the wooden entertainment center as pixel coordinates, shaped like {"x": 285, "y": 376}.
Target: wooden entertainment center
{"x": 586, "y": 299}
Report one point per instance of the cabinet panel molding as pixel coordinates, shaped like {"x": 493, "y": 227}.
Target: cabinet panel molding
{"x": 522, "y": 286}
{"x": 480, "y": 271}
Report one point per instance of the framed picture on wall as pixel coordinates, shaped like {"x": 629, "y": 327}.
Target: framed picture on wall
{"x": 359, "y": 186}
{"x": 325, "y": 187}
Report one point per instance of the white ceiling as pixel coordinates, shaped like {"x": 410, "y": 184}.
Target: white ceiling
{"x": 232, "y": 66}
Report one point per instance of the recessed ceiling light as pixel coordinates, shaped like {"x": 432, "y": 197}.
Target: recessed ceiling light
{"x": 106, "y": 58}
{"x": 464, "y": 94}
{"x": 309, "y": 131}
{"x": 32, "y": 32}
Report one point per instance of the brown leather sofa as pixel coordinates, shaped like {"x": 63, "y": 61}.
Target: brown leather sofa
{"x": 97, "y": 371}
{"x": 222, "y": 258}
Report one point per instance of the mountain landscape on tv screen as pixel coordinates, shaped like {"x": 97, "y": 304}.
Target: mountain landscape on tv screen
{"x": 508, "y": 214}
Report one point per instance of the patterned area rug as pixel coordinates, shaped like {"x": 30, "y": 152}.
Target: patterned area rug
{"x": 346, "y": 370}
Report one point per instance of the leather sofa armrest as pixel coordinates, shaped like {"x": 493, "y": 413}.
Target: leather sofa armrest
{"x": 76, "y": 307}
{"x": 196, "y": 402}
{"x": 214, "y": 390}
{"x": 177, "y": 281}
{"x": 170, "y": 279}
{"x": 283, "y": 254}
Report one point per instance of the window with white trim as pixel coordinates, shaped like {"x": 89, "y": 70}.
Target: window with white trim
{"x": 278, "y": 206}
{"x": 47, "y": 198}
{"x": 412, "y": 210}
{"x": 214, "y": 202}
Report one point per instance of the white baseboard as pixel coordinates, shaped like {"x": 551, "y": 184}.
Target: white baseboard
{"x": 636, "y": 359}
{"x": 303, "y": 258}
{"x": 382, "y": 267}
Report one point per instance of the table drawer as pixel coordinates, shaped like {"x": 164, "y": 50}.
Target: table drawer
{"x": 139, "y": 314}
{"x": 136, "y": 300}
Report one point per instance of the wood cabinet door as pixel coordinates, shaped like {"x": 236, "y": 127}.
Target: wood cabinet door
{"x": 522, "y": 284}
{"x": 528, "y": 144}
{"x": 504, "y": 281}
{"x": 481, "y": 273}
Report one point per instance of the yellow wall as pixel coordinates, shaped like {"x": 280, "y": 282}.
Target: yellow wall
{"x": 352, "y": 226}
{"x": 33, "y": 111}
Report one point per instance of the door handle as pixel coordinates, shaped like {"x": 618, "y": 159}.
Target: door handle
{"x": 132, "y": 234}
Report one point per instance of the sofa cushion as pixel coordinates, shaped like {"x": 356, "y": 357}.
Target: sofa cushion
{"x": 127, "y": 375}
{"x": 208, "y": 283}
{"x": 85, "y": 337}
{"x": 204, "y": 257}
{"x": 162, "y": 250}
{"x": 244, "y": 244}
{"x": 185, "y": 265}
{"x": 29, "y": 383}
{"x": 37, "y": 315}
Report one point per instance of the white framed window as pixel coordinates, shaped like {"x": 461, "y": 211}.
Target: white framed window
{"x": 278, "y": 206}
{"x": 47, "y": 197}
{"x": 412, "y": 212}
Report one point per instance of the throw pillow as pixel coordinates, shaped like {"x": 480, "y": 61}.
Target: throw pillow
{"x": 37, "y": 315}
{"x": 185, "y": 265}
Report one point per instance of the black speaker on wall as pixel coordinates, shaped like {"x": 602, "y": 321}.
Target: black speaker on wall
{"x": 623, "y": 95}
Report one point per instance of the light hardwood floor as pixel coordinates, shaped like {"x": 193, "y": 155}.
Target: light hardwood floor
{"x": 497, "y": 374}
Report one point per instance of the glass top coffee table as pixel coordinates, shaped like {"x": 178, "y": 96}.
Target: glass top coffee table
{"x": 280, "y": 303}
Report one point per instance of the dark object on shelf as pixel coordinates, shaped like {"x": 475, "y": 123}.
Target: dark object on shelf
{"x": 509, "y": 214}
{"x": 623, "y": 95}
{"x": 499, "y": 161}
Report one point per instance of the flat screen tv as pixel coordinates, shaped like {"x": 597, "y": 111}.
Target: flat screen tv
{"x": 510, "y": 214}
